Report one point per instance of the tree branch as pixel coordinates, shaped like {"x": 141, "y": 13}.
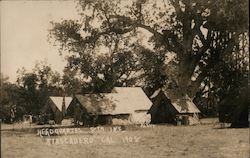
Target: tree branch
{"x": 177, "y": 7}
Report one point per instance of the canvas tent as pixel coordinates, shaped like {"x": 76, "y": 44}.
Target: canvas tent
{"x": 172, "y": 108}
{"x": 130, "y": 106}
{"x": 57, "y": 107}
{"x": 138, "y": 101}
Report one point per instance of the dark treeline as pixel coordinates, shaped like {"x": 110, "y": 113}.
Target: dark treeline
{"x": 30, "y": 92}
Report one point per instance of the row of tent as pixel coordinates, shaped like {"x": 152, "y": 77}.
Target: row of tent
{"x": 123, "y": 105}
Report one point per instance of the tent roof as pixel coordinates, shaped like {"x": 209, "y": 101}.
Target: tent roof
{"x": 58, "y": 101}
{"x": 136, "y": 97}
{"x": 121, "y": 101}
{"x": 104, "y": 103}
{"x": 183, "y": 104}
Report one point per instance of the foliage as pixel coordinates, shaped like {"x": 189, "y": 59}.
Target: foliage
{"x": 194, "y": 47}
{"x": 9, "y": 98}
{"x": 176, "y": 26}
{"x": 36, "y": 86}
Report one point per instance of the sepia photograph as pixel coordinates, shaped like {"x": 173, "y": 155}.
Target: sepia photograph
{"x": 124, "y": 79}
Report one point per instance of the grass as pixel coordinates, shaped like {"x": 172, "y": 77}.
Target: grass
{"x": 160, "y": 141}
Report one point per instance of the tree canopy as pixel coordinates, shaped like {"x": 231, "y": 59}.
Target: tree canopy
{"x": 35, "y": 87}
{"x": 199, "y": 34}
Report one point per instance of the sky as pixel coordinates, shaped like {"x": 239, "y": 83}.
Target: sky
{"x": 24, "y": 31}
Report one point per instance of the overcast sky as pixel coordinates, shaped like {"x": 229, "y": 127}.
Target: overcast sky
{"x": 24, "y": 30}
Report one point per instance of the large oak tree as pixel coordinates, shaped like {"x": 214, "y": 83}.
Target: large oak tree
{"x": 188, "y": 40}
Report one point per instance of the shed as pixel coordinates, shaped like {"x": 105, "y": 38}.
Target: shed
{"x": 173, "y": 109}
{"x": 57, "y": 107}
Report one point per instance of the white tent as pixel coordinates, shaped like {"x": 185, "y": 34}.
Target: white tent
{"x": 130, "y": 101}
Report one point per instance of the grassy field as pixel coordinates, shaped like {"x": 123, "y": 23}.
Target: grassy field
{"x": 161, "y": 141}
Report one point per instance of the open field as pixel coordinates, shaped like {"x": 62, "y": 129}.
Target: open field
{"x": 161, "y": 141}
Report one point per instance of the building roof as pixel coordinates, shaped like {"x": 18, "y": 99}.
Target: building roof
{"x": 121, "y": 101}
{"x": 183, "y": 104}
{"x": 58, "y": 101}
{"x": 136, "y": 97}
{"x": 104, "y": 103}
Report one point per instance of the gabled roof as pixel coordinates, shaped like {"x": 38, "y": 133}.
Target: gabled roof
{"x": 58, "y": 102}
{"x": 136, "y": 97}
{"x": 183, "y": 104}
{"x": 121, "y": 101}
{"x": 104, "y": 103}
